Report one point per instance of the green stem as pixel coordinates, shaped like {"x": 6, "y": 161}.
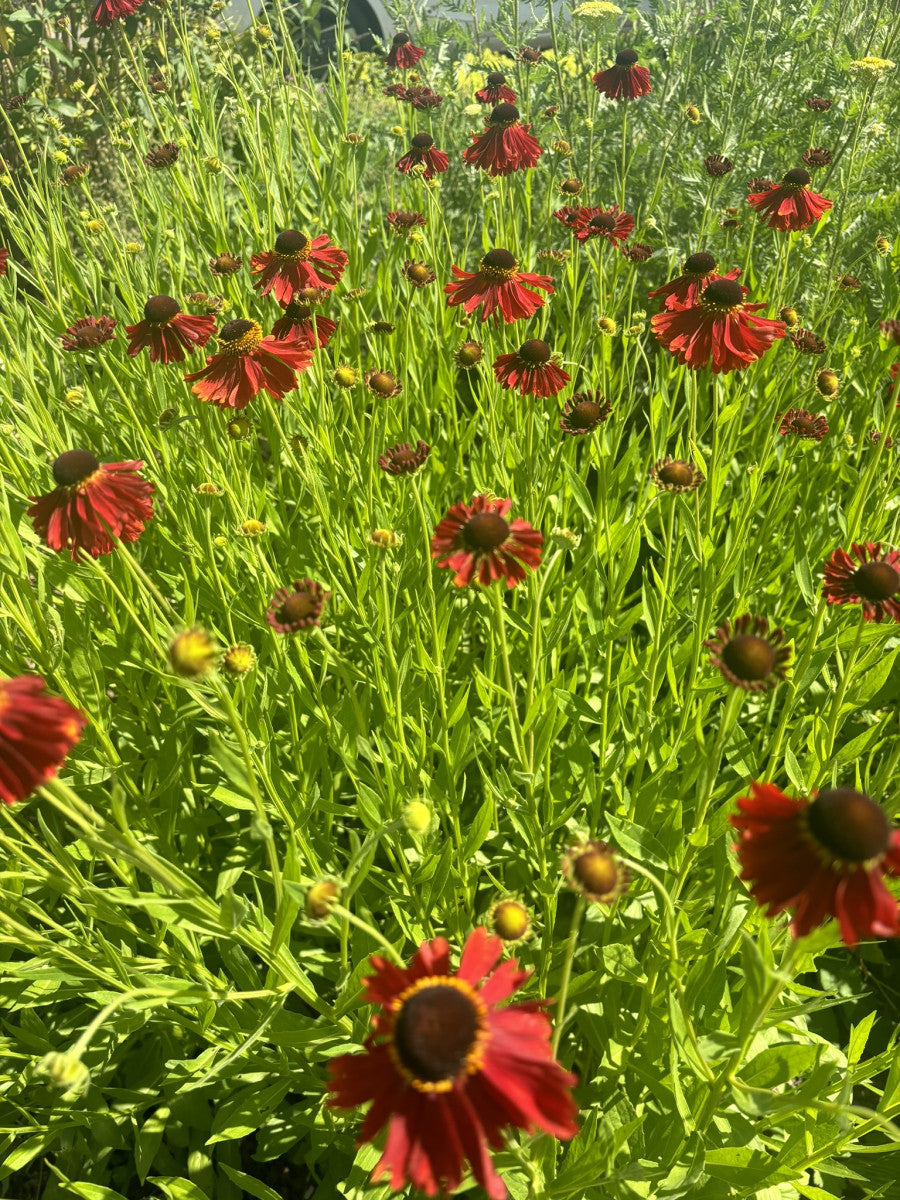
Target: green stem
{"x": 571, "y": 946}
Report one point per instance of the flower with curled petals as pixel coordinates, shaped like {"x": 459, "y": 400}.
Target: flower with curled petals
{"x": 676, "y": 475}
{"x": 37, "y": 731}
{"x": 608, "y": 223}
{"x": 422, "y": 153}
{"x": 719, "y": 329}
{"x": 873, "y": 580}
{"x": 403, "y": 54}
{"x": 403, "y": 459}
{"x": 300, "y": 322}
{"x": 506, "y": 145}
{"x": 803, "y": 424}
{"x": 825, "y": 857}
{"x": 448, "y": 1066}
{"x": 697, "y": 271}
{"x": 530, "y": 370}
{"x": 88, "y": 332}
{"x": 167, "y": 332}
{"x": 584, "y": 412}
{"x": 297, "y": 607}
{"x": 749, "y": 654}
{"x": 790, "y": 205}
{"x": 476, "y": 541}
{"x": 495, "y": 90}
{"x": 297, "y": 261}
{"x": 108, "y": 11}
{"x": 625, "y": 80}
{"x": 247, "y": 364}
{"x": 499, "y": 287}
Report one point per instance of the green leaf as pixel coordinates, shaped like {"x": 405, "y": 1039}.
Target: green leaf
{"x": 253, "y": 1187}
{"x": 94, "y": 1191}
{"x": 778, "y": 1064}
{"x": 178, "y": 1189}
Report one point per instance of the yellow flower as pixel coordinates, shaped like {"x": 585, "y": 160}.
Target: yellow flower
{"x": 596, "y": 11}
{"x": 252, "y": 528}
{"x": 871, "y": 67}
{"x": 192, "y": 653}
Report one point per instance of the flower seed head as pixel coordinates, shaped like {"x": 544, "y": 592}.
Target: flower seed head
{"x": 626, "y": 58}
{"x": 74, "y": 467}
{"x": 160, "y": 309}
{"x": 722, "y": 293}
{"x": 749, "y": 657}
{"x": 291, "y": 241}
{"x": 534, "y": 352}
{"x": 797, "y": 177}
{"x": 504, "y": 114}
{"x": 485, "y": 531}
{"x": 849, "y": 824}
{"x": 876, "y": 581}
{"x": 700, "y": 263}
{"x": 827, "y": 384}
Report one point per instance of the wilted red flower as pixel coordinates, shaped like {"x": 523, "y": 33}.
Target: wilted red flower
{"x": 88, "y": 333}
{"x": 624, "y": 81}
{"x": 449, "y": 1068}
{"x": 108, "y": 11}
{"x": 297, "y": 607}
{"x": 584, "y": 412}
{"x": 4, "y": 256}
{"x": 676, "y": 475}
{"x": 571, "y": 215}
{"x": 817, "y": 104}
{"x": 717, "y": 166}
{"x": 530, "y": 55}
{"x": 402, "y": 459}
{"x": 606, "y": 223}
{"x": 93, "y": 503}
{"x": 419, "y": 274}
{"x": 422, "y": 153}
{"x": 759, "y": 183}
{"x": 423, "y": 98}
{"x": 803, "y": 424}
{"x": 247, "y": 364}
{"x": 225, "y": 264}
{"x": 592, "y": 868}
{"x": 749, "y": 654}
{"x": 165, "y": 155}
{"x": 873, "y": 580}
{"x": 818, "y": 156}
{"x": 530, "y": 370}
{"x": 890, "y": 331}
{"x": 638, "y": 252}
{"x": 72, "y": 173}
{"x": 498, "y": 285}
{"x": 791, "y": 205}
{"x": 167, "y": 331}
{"x": 301, "y": 323}
{"x": 476, "y": 541}
{"x": 505, "y": 145}
{"x": 297, "y": 261}
{"x": 875, "y": 436}
{"x": 403, "y": 54}
{"x": 14, "y": 102}
{"x": 397, "y": 90}
{"x": 37, "y": 731}
{"x": 698, "y": 270}
{"x": 823, "y": 858}
{"x": 402, "y": 222}
{"x": 807, "y": 343}
{"x": 719, "y": 329}
{"x": 848, "y": 283}
{"x": 495, "y": 91}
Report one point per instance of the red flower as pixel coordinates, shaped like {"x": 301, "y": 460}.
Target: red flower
{"x": 626, "y": 80}
{"x": 698, "y": 270}
{"x": 402, "y": 459}
{"x": 297, "y": 607}
{"x": 4, "y": 255}
{"x": 403, "y": 54}
{"x": 422, "y": 152}
{"x": 296, "y": 262}
{"x": 249, "y": 363}
{"x": 803, "y": 424}
{"x": 505, "y": 146}
{"x": 496, "y": 91}
{"x": 572, "y": 216}
{"x": 88, "y": 332}
{"x": 168, "y": 331}
{"x": 301, "y": 323}
{"x": 825, "y": 857}
{"x": 872, "y": 581}
{"x": 108, "y": 11}
{"x": 790, "y": 205}
{"x": 36, "y": 733}
{"x": 603, "y": 222}
{"x": 93, "y": 503}
{"x": 530, "y": 370}
{"x": 449, "y": 1068}
{"x": 476, "y": 540}
{"x": 403, "y": 222}
{"x": 719, "y": 328}
{"x": 498, "y": 284}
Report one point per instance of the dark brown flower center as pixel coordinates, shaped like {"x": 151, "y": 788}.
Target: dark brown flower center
{"x": 290, "y": 241}
{"x": 297, "y": 608}
{"x": 226, "y": 262}
{"x": 382, "y": 383}
{"x": 233, "y": 331}
{"x": 406, "y": 460}
{"x": 470, "y": 354}
{"x": 74, "y": 466}
{"x": 804, "y": 424}
{"x": 485, "y": 531}
{"x": 596, "y": 871}
{"x": 585, "y": 414}
{"x": 400, "y": 39}
{"x": 796, "y": 177}
{"x": 571, "y": 187}
{"x": 534, "y": 352}
{"x": 422, "y": 141}
{"x": 676, "y": 474}
{"x": 876, "y": 581}
{"x": 419, "y": 273}
{"x": 504, "y": 114}
{"x": 849, "y": 824}
{"x": 722, "y": 293}
{"x": 626, "y": 58}
{"x": 748, "y": 657}
{"x": 700, "y": 263}
{"x": 496, "y": 79}
{"x": 435, "y": 1031}
{"x": 501, "y": 259}
{"x": 604, "y": 221}
{"x": 161, "y": 309}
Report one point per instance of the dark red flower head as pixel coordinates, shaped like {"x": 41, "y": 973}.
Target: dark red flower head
{"x": 806, "y": 342}
{"x": 297, "y": 607}
{"x": 750, "y": 655}
{"x": 165, "y": 155}
{"x": 817, "y": 104}
{"x": 476, "y": 541}
{"x": 37, "y": 731}
{"x": 823, "y": 858}
{"x": 606, "y": 223}
{"x": 818, "y": 156}
{"x": 403, "y": 460}
{"x": 505, "y": 145}
{"x": 624, "y": 81}
{"x": 530, "y": 370}
{"x": 88, "y": 333}
{"x": 404, "y": 222}
{"x": 717, "y": 166}
{"x": 108, "y": 11}
{"x": 422, "y": 153}
{"x": 719, "y": 328}
{"x": 496, "y": 91}
{"x": 872, "y": 580}
{"x": 167, "y": 331}
{"x": 225, "y": 264}
{"x": 802, "y": 424}
{"x": 403, "y": 54}
{"x": 698, "y": 270}
{"x": 584, "y": 412}
{"x": 499, "y": 286}
{"x": 92, "y": 503}
{"x": 301, "y": 323}
{"x": 247, "y": 364}
{"x": 790, "y": 205}
{"x": 676, "y": 475}
{"x": 448, "y": 1066}
{"x": 297, "y": 261}
{"x": 4, "y": 258}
